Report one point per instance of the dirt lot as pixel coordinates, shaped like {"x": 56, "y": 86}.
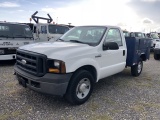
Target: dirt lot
{"x": 117, "y": 97}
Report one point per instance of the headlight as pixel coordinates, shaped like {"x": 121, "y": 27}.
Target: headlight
{"x": 1, "y": 52}
{"x": 56, "y": 66}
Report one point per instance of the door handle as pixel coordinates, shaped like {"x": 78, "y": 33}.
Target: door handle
{"x": 98, "y": 56}
{"x": 124, "y": 52}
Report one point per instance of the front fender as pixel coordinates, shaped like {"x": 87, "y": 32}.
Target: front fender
{"x": 72, "y": 66}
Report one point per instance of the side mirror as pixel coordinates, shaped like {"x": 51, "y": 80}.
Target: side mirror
{"x": 110, "y": 46}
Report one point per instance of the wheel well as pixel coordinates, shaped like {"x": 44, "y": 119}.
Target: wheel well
{"x": 90, "y": 69}
{"x": 143, "y": 57}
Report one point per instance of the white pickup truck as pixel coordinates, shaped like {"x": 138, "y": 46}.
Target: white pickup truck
{"x": 71, "y": 65}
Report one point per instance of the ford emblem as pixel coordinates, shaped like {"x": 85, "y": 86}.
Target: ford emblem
{"x": 23, "y": 61}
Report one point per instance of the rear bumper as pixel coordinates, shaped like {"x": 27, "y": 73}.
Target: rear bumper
{"x": 156, "y": 51}
{"x": 8, "y": 57}
{"x": 54, "y": 84}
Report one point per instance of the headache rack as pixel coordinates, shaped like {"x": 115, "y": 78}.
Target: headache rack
{"x": 31, "y": 62}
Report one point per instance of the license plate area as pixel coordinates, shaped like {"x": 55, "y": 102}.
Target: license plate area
{"x": 22, "y": 81}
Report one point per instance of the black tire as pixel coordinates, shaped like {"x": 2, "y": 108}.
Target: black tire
{"x": 73, "y": 93}
{"x": 137, "y": 69}
{"x": 156, "y": 56}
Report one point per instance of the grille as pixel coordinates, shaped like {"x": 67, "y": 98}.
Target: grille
{"x": 31, "y": 62}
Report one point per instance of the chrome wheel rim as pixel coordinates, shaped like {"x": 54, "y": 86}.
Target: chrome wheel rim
{"x": 139, "y": 67}
{"x": 83, "y": 88}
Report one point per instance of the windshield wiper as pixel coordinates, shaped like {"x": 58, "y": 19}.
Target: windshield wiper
{"x": 28, "y": 37}
{"x": 77, "y": 41}
{"x": 21, "y": 36}
{"x": 5, "y": 36}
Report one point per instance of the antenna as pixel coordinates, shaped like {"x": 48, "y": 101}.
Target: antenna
{"x": 36, "y": 18}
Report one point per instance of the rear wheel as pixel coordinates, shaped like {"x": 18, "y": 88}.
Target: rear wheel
{"x": 156, "y": 56}
{"x": 137, "y": 69}
{"x": 80, "y": 87}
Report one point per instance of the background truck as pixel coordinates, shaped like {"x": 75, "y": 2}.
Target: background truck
{"x": 12, "y": 36}
{"x": 157, "y": 51}
{"x": 126, "y": 33}
{"x": 155, "y": 38}
{"x": 70, "y": 66}
{"x": 46, "y": 31}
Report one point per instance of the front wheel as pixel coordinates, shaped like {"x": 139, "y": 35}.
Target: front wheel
{"x": 137, "y": 69}
{"x": 80, "y": 87}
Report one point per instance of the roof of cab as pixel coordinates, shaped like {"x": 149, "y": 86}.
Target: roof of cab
{"x": 14, "y": 23}
{"x": 108, "y": 26}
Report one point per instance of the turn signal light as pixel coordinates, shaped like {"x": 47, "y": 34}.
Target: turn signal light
{"x": 52, "y": 70}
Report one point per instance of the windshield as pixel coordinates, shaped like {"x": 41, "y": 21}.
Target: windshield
{"x": 137, "y": 34}
{"x": 86, "y": 34}
{"x": 155, "y": 36}
{"x": 15, "y": 31}
{"x": 56, "y": 29}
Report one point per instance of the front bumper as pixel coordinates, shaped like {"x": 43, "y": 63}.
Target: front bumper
{"x": 54, "y": 84}
{"x": 8, "y": 57}
{"x": 156, "y": 51}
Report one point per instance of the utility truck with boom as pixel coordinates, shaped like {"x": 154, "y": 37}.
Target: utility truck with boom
{"x": 70, "y": 66}
{"x": 46, "y": 31}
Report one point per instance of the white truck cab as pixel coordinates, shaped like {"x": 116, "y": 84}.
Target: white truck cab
{"x": 12, "y": 36}
{"x": 81, "y": 57}
{"x": 47, "y": 31}
{"x": 155, "y": 38}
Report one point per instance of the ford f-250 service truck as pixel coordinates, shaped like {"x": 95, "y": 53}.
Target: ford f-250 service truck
{"x": 12, "y": 36}
{"x": 81, "y": 57}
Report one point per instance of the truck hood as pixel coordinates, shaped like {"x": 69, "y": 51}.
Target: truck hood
{"x": 58, "y": 50}
{"x": 17, "y": 42}
{"x": 54, "y": 37}
{"x": 157, "y": 40}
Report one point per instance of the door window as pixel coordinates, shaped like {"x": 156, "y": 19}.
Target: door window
{"x": 114, "y": 35}
{"x": 44, "y": 29}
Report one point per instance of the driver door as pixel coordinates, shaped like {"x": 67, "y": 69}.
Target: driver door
{"x": 112, "y": 61}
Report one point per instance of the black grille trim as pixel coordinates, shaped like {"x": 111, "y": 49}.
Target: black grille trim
{"x": 8, "y": 51}
{"x": 35, "y": 63}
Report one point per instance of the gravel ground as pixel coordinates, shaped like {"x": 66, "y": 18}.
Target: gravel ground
{"x": 117, "y": 97}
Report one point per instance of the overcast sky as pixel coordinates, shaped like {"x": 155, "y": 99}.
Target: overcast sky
{"x": 133, "y": 15}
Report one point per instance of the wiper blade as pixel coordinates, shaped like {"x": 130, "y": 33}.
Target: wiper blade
{"x": 77, "y": 41}
{"x": 60, "y": 39}
{"x": 28, "y": 37}
{"x": 6, "y": 36}
{"x": 21, "y": 36}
